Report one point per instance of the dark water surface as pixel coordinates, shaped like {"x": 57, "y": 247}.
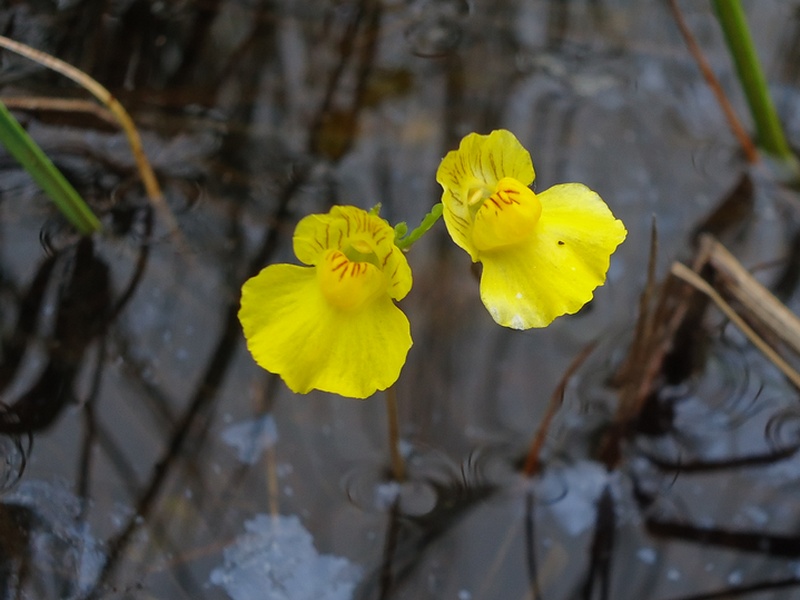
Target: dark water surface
{"x": 147, "y": 456}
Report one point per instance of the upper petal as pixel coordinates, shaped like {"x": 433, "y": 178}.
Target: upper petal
{"x": 398, "y": 271}
{"x": 317, "y": 233}
{"x": 292, "y": 330}
{"x": 556, "y": 271}
{"x": 475, "y": 168}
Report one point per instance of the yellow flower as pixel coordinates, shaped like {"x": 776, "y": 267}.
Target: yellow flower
{"x": 332, "y": 325}
{"x": 543, "y": 254}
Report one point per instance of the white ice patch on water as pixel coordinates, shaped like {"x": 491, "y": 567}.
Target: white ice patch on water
{"x": 646, "y": 555}
{"x": 577, "y": 510}
{"x": 756, "y": 514}
{"x": 276, "y": 559}
{"x": 57, "y": 536}
{"x": 386, "y": 494}
{"x": 252, "y": 437}
{"x": 735, "y": 577}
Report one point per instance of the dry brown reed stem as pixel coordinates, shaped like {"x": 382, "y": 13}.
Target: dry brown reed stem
{"x": 673, "y": 308}
{"x": 700, "y": 284}
{"x": 766, "y": 308}
{"x": 645, "y": 323}
{"x": 719, "y": 277}
{"x": 149, "y": 180}
{"x": 663, "y": 310}
{"x": 273, "y": 484}
{"x": 263, "y": 400}
{"x": 756, "y": 304}
{"x": 697, "y": 53}
{"x": 679, "y": 308}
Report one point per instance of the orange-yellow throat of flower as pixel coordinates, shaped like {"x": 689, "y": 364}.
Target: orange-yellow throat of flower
{"x": 508, "y": 216}
{"x": 349, "y": 284}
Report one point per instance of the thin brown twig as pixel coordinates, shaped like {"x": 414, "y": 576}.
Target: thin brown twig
{"x": 646, "y": 322}
{"x": 733, "y": 121}
{"x": 532, "y": 459}
{"x": 67, "y": 105}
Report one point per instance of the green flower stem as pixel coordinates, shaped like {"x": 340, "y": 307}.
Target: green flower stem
{"x": 732, "y": 19}
{"x": 22, "y": 147}
{"x": 403, "y": 241}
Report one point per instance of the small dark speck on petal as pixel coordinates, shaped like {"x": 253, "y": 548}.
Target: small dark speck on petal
{"x": 560, "y": 243}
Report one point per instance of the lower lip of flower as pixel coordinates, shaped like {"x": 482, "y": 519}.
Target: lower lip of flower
{"x": 348, "y": 285}
{"x": 507, "y": 217}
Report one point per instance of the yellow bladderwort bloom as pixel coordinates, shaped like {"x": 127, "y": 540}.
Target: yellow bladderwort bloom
{"x": 332, "y": 325}
{"x": 542, "y": 254}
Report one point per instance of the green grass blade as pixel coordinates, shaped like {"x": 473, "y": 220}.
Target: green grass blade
{"x": 22, "y": 147}
{"x": 732, "y": 19}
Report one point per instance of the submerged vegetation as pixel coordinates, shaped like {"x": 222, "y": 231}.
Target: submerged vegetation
{"x": 638, "y": 440}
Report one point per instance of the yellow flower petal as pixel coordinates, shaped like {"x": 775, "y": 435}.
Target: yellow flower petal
{"x": 332, "y": 325}
{"x": 315, "y": 234}
{"x": 470, "y": 174}
{"x": 293, "y": 330}
{"x": 556, "y": 270}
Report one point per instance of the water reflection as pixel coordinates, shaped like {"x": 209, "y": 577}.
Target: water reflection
{"x": 69, "y": 319}
{"x": 435, "y": 26}
{"x": 123, "y": 356}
